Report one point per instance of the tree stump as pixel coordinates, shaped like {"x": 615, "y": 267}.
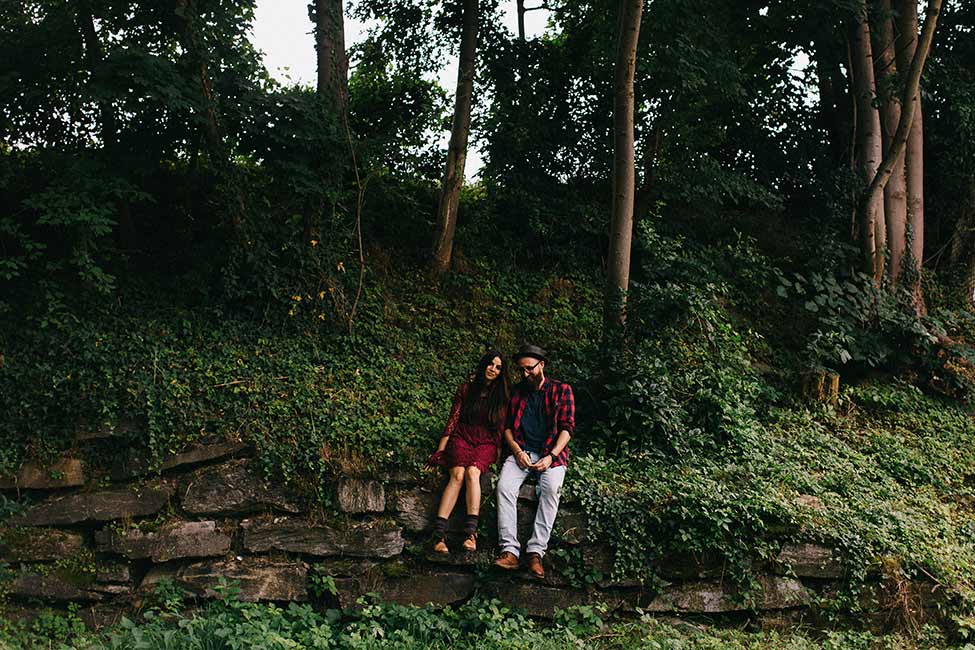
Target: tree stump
{"x": 821, "y": 386}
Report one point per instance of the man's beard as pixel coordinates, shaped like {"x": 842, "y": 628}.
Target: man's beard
{"x": 534, "y": 380}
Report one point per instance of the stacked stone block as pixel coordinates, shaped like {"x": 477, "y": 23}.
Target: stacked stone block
{"x": 107, "y": 539}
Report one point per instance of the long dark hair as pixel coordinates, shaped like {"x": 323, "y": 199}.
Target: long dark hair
{"x": 496, "y": 401}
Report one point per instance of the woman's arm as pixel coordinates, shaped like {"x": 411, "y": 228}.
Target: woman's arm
{"x": 437, "y": 458}
{"x": 454, "y": 418}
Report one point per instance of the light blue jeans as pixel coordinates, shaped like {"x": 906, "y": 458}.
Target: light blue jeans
{"x": 549, "y": 492}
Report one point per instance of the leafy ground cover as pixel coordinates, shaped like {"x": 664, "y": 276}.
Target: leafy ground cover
{"x": 697, "y": 423}
{"x": 230, "y": 625}
{"x": 306, "y": 397}
{"x": 893, "y": 494}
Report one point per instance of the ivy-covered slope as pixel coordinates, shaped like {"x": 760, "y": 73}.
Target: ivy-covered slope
{"x": 693, "y": 440}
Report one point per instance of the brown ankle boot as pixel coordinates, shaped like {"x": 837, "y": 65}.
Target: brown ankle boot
{"x": 440, "y": 546}
{"x": 507, "y": 561}
{"x": 534, "y": 562}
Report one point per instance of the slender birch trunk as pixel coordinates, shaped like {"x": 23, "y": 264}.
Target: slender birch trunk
{"x": 909, "y": 103}
{"x": 869, "y": 146}
{"x": 217, "y": 149}
{"x": 962, "y": 253}
{"x": 907, "y": 28}
{"x": 643, "y": 195}
{"x": 193, "y": 46}
{"x": 457, "y": 152}
{"x": 93, "y": 60}
{"x": 895, "y": 192}
{"x": 624, "y": 173}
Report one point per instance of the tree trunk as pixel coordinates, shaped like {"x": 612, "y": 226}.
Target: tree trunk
{"x": 213, "y": 134}
{"x": 907, "y": 28}
{"x": 895, "y": 192}
{"x": 821, "y": 386}
{"x": 94, "y": 55}
{"x": 521, "y": 20}
{"x": 333, "y": 60}
{"x": 909, "y": 103}
{"x": 93, "y": 60}
{"x": 643, "y": 196}
{"x": 453, "y": 178}
{"x": 624, "y": 173}
{"x": 193, "y": 47}
{"x": 869, "y": 146}
{"x": 833, "y": 101}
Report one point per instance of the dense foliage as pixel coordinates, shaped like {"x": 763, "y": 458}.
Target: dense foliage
{"x": 189, "y": 248}
{"x": 697, "y": 424}
{"x": 306, "y": 398}
{"x": 228, "y": 625}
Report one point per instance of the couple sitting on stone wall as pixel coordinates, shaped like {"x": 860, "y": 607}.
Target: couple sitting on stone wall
{"x": 531, "y": 425}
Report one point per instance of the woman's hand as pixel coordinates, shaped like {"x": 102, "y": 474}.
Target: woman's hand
{"x": 436, "y": 459}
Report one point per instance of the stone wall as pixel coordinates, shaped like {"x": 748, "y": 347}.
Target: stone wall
{"x": 106, "y": 536}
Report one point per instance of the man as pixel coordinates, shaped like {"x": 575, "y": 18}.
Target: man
{"x": 541, "y": 419}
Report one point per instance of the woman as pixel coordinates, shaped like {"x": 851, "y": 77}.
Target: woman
{"x": 470, "y": 444}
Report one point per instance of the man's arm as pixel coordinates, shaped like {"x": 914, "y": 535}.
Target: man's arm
{"x": 566, "y": 421}
{"x": 509, "y": 439}
{"x": 521, "y": 456}
{"x": 560, "y": 443}
{"x": 567, "y": 411}
{"x": 509, "y": 416}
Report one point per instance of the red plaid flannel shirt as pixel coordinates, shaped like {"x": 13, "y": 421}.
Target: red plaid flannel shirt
{"x": 560, "y": 415}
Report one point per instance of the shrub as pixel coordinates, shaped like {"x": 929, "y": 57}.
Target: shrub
{"x": 684, "y": 381}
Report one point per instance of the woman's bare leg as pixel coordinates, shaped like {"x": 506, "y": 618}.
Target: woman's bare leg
{"x": 450, "y": 492}
{"x": 473, "y": 481}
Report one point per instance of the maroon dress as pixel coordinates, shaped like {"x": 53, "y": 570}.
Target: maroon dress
{"x": 470, "y": 444}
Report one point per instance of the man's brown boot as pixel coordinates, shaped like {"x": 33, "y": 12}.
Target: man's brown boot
{"x": 507, "y": 561}
{"x": 534, "y": 561}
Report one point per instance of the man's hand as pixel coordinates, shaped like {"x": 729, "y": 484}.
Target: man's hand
{"x": 523, "y": 459}
{"x": 543, "y": 463}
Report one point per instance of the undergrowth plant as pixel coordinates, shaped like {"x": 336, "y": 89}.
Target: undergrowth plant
{"x": 228, "y": 624}
{"x": 691, "y": 422}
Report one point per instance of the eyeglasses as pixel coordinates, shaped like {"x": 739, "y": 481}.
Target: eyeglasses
{"x": 527, "y": 370}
